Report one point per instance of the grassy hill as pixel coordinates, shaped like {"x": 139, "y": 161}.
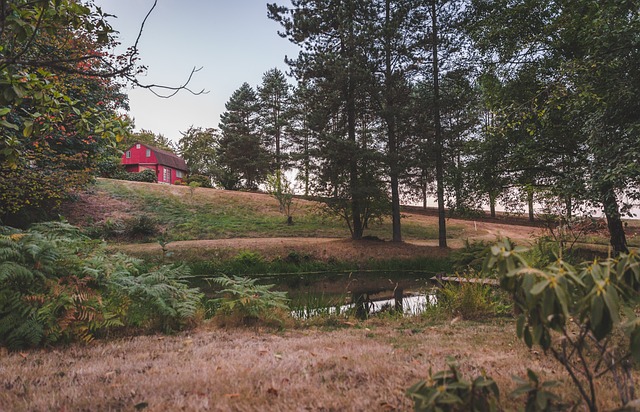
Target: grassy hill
{"x": 112, "y": 205}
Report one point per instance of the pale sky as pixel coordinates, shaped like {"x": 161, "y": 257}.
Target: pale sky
{"x": 233, "y": 40}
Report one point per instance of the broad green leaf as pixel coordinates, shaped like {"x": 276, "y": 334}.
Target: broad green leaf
{"x": 597, "y": 306}
{"x": 9, "y": 125}
{"x": 563, "y": 299}
{"x": 28, "y": 128}
{"x": 611, "y": 300}
{"x": 539, "y": 287}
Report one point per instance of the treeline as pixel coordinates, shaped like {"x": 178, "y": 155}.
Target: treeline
{"x": 472, "y": 101}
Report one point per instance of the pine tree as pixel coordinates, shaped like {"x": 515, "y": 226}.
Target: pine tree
{"x": 334, "y": 42}
{"x": 274, "y": 97}
{"x": 243, "y": 159}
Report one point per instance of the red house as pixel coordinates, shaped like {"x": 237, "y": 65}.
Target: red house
{"x": 169, "y": 168}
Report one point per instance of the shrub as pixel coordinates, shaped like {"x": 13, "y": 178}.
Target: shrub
{"x": 203, "y": 181}
{"x": 470, "y": 301}
{"x": 581, "y": 305}
{"x": 159, "y": 299}
{"x": 58, "y": 285}
{"x": 141, "y": 226}
{"x": 470, "y": 256}
{"x": 539, "y": 398}
{"x": 106, "y": 230}
{"x": 113, "y": 169}
{"x": 245, "y": 302}
{"x": 447, "y": 390}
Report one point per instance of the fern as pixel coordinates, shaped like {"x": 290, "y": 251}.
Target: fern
{"x": 243, "y": 298}
{"x": 162, "y": 294}
{"x": 58, "y": 285}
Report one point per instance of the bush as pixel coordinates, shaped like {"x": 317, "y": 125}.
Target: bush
{"x": 203, "y": 181}
{"x": 471, "y": 256}
{"x": 246, "y": 303}
{"x": 58, "y": 285}
{"x": 113, "y": 169}
{"x": 471, "y": 301}
{"x": 106, "y": 230}
{"x": 447, "y": 390}
{"x": 574, "y": 313}
{"x": 147, "y": 175}
{"x": 141, "y": 226}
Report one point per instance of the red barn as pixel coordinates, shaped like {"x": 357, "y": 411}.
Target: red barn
{"x": 169, "y": 168}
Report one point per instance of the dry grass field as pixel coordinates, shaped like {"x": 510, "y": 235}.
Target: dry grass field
{"x": 356, "y": 367}
{"x": 340, "y": 365}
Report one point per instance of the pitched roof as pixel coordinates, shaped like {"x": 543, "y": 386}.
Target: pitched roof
{"x": 167, "y": 158}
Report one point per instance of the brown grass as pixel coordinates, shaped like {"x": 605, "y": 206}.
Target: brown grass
{"x": 364, "y": 367}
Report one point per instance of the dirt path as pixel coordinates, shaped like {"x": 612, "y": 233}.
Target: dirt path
{"x": 340, "y": 249}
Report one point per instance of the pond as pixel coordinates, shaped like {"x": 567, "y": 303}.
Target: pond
{"x": 365, "y": 292}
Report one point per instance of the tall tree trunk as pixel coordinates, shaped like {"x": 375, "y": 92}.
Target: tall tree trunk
{"x": 390, "y": 117}
{"x": 492, "y": 204}
{"x": 530, "y": 204}
{"x": 350, "y": 100}
{"x": 568, "y": 201}
{"x": 617, "y": 237}
{"x": 424, "y": 193}
{"x": 442, "y": 229}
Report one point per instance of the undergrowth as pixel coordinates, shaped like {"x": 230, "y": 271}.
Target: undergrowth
{"x": 58, "y": 285}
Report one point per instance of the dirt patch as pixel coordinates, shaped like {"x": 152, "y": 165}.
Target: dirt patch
{"x": 93, "y": 207}
{"x": 327, "y": 249}
{"x": 367, "y": 366}
{"x": 324, "y": 249}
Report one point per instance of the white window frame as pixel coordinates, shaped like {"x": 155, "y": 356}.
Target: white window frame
{"x": 137, "y": 145}
{"x": 128, "y": 154}
{"x": 179, "y": 174}
{"x": 148, "y": 152}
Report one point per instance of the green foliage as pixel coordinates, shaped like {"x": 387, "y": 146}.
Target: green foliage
{"x": 149, "y": 138}
{"x": 159, "y": 299}
{"x": 203, "y": 181}
{"x": 539, "y": 398}
{"x": 243, "y": 159}
{"x": 583, "y": 304}
{"x": 113, "y": 169}
{"x": 470, "y": 256}
{"x": 471, "y": 301}
{"x": 59, "y": 103}
{"x": 447, "y": 390}
{"x": 57, "y": 285}
{"x": 142, "y": 226}
{"x": 198, "y": 147}
{"x": 247, "y": 302}
{"x": 281, "y": 189}
{"x": 147, "y": 175}
{"x": 105, "y": 230}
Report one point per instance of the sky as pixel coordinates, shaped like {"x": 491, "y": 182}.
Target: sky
{"x": 232, "y": 40}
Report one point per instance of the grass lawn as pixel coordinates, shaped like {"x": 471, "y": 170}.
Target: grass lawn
{"x": 217, "y": 214}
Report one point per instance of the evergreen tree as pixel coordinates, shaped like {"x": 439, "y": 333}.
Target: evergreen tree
{"x": 274, "y": 98}
{"x": 302, "y": 137}
{"x": 334, "y": 42}
{"x": 243, "y": 159}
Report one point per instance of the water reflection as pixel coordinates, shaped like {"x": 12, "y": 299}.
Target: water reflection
{"x": 410, "y": 303}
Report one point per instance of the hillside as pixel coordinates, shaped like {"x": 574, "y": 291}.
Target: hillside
{"x": 211, "y": 219}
